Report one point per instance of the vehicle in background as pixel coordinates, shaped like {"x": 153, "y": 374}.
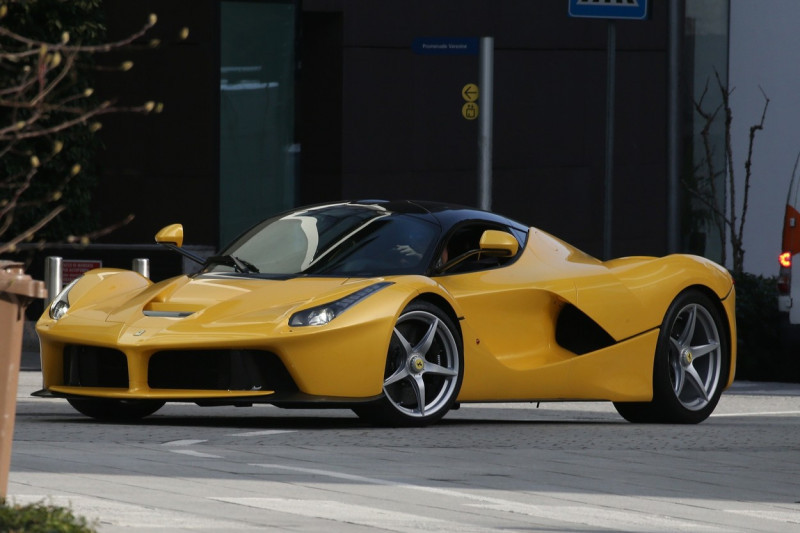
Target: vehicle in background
{"x": 789, "y": 263}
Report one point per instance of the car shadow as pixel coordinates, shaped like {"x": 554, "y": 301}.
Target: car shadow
{"x": 315, "y": 422}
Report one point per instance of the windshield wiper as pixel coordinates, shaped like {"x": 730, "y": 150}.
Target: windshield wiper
{"x": 239, "y": 264}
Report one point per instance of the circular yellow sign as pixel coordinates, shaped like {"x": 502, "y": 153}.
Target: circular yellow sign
{"x": 470, "y": 92}
{"x": 470, "y": 111}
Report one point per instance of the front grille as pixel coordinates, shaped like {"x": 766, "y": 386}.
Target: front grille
{"x": 93, "y": 366}
{"x": 242, "y": 370}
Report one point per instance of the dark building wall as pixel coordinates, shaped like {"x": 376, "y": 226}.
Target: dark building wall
{"x": 403, "y": 134}
{"x": 163, "y": 168}
{"x": 319, "y": 107}
{"x": 374, "y": 119}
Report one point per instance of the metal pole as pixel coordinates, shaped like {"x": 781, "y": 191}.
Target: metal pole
{"x": 674, "y": 146}
{"x": 485, "y": 118}
{"x": 52, "y": 277}
{"x": 609, "y": 174}
{"x": 142, "y": 266}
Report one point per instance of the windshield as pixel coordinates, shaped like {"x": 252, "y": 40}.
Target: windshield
{"x": 339, "y": 240}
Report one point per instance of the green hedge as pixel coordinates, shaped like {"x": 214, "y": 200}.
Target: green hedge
{"x": 761, "y": 355}
{"x": 41, "y": 518}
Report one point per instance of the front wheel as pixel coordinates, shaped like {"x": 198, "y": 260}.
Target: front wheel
{"x": 424, "y": 369}
{"x": 112, "y": 410}
{"x": 691, "y": 364}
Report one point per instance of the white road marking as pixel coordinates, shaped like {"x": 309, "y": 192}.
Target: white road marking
{"x": 108, "y": 512}
{"x": 339, "y": 475}
{"x": 195, "y": 453}
{"x": 185, "y": 442}
{"x": 585, "y": 514}
{"x": 262, "y": 433}
{"x": 360, "y": 515}
{"x": 600, "y": 517}
{"x": 763, "y": 413}
{"x": 790, "y": 517}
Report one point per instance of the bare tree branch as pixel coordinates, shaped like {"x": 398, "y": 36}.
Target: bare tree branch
{"x": 33, "y": 46}
{"x": 40, "y": 99}
{"x": 729, "y": 217}
{"x": 11, "y": 245}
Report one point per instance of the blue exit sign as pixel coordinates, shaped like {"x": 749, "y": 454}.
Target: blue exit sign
{"x": 609, "y": 9}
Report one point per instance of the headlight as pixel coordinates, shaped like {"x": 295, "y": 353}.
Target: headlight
{"x": 322, "y": 314}
{"x": 60, "y": 305}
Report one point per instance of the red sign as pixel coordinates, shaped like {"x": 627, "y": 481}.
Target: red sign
{"x": 72, "y": 269}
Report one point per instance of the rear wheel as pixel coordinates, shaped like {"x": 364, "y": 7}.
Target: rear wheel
{"x": 691, "y": 363}
{"x": 424, "y": 369}
{"x": 113, "y": 410}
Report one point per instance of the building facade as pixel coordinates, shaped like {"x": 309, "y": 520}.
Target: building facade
{"x": 271, "y": 104}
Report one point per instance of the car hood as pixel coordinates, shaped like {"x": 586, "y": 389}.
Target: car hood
{"x": 213, "y": 299}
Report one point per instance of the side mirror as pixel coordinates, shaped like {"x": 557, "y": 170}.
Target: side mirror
{"x": 498, "y": 243}
{"x": 172, "y": 237}
{"x": 172, "y": 234}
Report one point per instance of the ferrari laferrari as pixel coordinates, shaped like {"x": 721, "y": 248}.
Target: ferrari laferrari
{"x": 400, "y": 311}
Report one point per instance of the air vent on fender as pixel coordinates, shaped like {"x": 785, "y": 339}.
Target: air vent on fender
{"x": 578, "y": 333}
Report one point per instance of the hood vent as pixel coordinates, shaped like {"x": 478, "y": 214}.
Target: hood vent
{"x": 168, "y": 314}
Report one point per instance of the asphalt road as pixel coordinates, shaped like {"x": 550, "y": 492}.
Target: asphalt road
{"x": 509, "y": 467}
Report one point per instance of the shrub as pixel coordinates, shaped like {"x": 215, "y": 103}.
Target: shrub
{"x": 41, "y": 518}
{"x": 760, "y": 354}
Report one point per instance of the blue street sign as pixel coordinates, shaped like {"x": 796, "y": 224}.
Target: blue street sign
{"x": 453, "y": 46}
{"x": 609, "y": 9}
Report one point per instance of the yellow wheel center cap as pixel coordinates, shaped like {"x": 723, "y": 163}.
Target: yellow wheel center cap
{"x": 416, "y": 364}
{"x": 687, "y": 357}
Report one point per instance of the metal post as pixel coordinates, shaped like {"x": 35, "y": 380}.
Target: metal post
{"x": 485, "y": 118}
{"x": 609, "y": 174}
{"x": 142, "y": 266}
{"x": 674, "y": 146}
{"x": 52, "y": 277}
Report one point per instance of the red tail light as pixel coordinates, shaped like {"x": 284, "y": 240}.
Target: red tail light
{"x": 785, "y": 275}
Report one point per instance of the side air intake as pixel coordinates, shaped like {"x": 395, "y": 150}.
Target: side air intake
{"x": 578, "y": 333}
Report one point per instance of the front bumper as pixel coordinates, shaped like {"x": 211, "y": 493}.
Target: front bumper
{"x": 343, "y": 360}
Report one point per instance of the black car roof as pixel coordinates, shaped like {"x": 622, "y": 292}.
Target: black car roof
{"x": 447, "y": 215}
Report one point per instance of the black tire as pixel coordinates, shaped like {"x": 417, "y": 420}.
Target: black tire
{"x": 111, "y": 410}
{"x": 424, "y": 369}
{"x": 691, "y": 364}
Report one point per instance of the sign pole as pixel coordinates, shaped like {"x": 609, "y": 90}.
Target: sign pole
{"x": 630, "y": 10}
{"x": 486, "y": 84}
{"x": 608, "y": 207}
{"x": 674, "y": 131}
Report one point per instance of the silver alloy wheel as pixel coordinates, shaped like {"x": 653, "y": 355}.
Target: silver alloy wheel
{"x": 423, "y": 365}
{"x": 695, "y": 357}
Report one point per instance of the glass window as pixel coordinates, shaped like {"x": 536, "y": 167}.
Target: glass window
{"x": 344, "y": 240}
{"x": 463, "y": 242}
{"x": 706, "y": 38}
{"x": 257, "y": 150}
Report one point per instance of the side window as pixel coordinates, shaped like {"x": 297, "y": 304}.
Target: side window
{"x": 461, "y": 252}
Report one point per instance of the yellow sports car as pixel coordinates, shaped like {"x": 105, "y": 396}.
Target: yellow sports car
{"x": 399, "y": 311}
